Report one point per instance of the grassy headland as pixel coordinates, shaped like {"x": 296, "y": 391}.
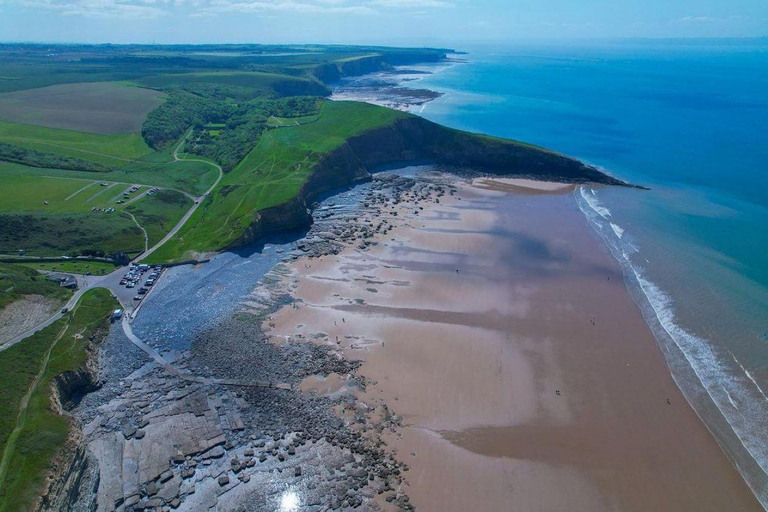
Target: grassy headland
{"x": 256, "y": 111}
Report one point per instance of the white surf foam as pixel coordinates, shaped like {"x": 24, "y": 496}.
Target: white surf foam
{"x": 616, "y": 229}
{"x": 725, "y": 387}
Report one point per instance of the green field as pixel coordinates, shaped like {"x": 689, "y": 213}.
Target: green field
{"x": 17, "y": 280}
{"x": 270, "y": 175}
{"x": 95, "y": 107}
{"x": 68, "y": 224}
{"x": 192, "y": 177}
{"x": 160, "y": 213}
{"x": 110, "y": 150}
{"x": 31, "y": 435}
{"x": 73, "y": 266}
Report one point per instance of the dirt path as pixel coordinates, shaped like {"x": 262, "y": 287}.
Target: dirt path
{"x": 139, "y": 196}
{"x": 146, "y": 236}
{"x": 97, "y": 194}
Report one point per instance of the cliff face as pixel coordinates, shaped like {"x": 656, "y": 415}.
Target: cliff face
{"x": 70, "y": 467}
{"x": 414, "y": 138}
{"x": 334, "y": 71}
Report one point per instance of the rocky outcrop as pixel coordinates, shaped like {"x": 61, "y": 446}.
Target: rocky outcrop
{"x": 410, "y": 139}
{"x": 68, "y": 470}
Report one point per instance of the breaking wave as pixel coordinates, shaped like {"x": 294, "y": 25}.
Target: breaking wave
{"x": 734, "y": 392}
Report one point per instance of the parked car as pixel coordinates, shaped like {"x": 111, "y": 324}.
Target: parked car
{"x": 137, "y": 297}
{"x": 64, "y": 310}
{"x": 130, "y": 285}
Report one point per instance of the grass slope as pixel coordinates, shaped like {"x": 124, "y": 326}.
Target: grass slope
{"x": 72, "y": 266}
{"x": 270, "y": 175}
{"x": 192, "y": 177}
{"x": 31, "y": 436}
{"x": 111, "y": 150}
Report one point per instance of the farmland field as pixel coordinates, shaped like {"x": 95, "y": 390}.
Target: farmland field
{"x": 98, "y": 107}
{"x": 257, "y": 81}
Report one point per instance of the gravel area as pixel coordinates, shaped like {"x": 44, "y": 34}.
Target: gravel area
{"x": 258, "y": 358}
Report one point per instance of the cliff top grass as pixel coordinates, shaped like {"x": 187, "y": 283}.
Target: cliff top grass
{"x": 31, "y": 433}
{"x": 270, "y": 175}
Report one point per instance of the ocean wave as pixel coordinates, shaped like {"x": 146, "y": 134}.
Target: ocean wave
{"x": 736, "y": 394}
{"x": 593, "y": 202}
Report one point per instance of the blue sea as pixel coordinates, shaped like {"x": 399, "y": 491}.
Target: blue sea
{"x": 689, "y": 120}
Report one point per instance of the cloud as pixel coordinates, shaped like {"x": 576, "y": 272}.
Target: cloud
{"x": 148, "y": 9}
{"x": 246, "y": 6}
{"x": 101, "y": 8}
{"x": 410, "y": 4}
{"x": 712, "y": 19}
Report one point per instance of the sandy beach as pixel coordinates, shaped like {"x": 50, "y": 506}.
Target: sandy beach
{"x": 500, "y": 331}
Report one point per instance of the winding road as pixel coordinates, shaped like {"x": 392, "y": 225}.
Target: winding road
{"x": 198, "y": 201}
{"x": 111, "y": 281}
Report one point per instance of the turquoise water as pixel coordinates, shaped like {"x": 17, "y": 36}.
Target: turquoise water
{"x": 690, "y": 121}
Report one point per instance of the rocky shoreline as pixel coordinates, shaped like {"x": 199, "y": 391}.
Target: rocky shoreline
{"x": 154, "y": 441}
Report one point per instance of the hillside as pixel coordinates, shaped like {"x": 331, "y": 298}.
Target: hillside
{"x": 270, "y": 189}
{"x": 178, "y": 113}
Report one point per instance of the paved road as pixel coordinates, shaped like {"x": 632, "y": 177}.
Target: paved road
{"x": 198, "y": 201}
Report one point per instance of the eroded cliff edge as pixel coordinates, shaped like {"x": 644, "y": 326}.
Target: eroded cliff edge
{"x": 412, "y": 139}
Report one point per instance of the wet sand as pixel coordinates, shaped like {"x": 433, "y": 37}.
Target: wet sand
{"x": 500, "y": 330}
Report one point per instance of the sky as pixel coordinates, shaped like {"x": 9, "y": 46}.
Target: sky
{"x": 400, "y": 22}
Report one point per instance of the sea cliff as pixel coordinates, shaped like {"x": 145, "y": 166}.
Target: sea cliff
{"x": 412, "y": 139}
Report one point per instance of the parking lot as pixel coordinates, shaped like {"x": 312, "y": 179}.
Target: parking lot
{"x": 132, "y": 283}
